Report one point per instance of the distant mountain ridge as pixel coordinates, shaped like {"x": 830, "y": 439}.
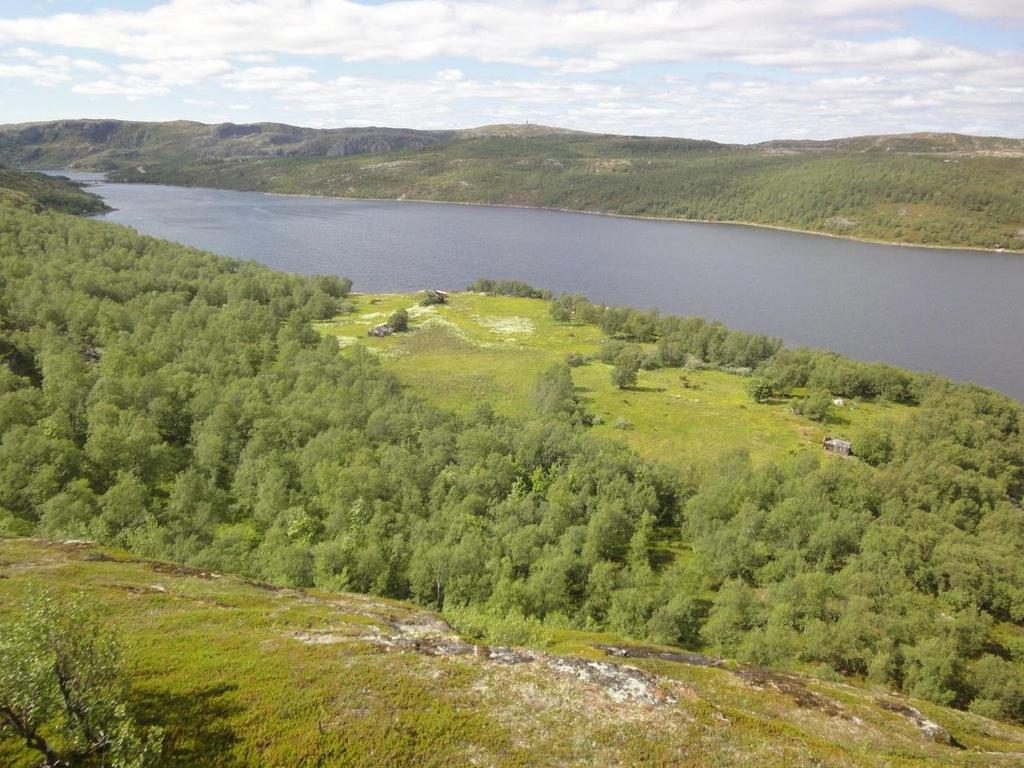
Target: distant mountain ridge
{"x": 109, "y": 144}
{"x": 909, "y": 143}
{"x": 101, "y": 144}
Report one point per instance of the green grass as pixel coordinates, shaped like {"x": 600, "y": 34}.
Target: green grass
{"x": 216, "y": 661}
{"x": 489, "y": 349}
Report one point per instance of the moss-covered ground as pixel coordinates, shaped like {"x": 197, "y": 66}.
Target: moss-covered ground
{"x": 243, "y": 674}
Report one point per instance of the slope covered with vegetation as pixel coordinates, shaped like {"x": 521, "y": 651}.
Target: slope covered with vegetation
{"x": 968, "y": 200}
{"x": 182, "y": 406}
{"x": 38, "y": 192}
{"x": 914, "y": 143}
{"x": 935, "y": 189}
{"x": 240, "y": 673}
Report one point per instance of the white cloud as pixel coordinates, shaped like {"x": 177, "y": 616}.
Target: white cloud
{"x": 450, "y": 75}
{"x": 178, "y": 71}
{"x": 279, "y": 79}
{"x": 88, "y": 65}
{"x": 37, "y": 75}
{"x": 727, "y": 108}
{"x": 132, "y": 87}
{"x": 588, "y": 36}
{"x": 833, "y": 67}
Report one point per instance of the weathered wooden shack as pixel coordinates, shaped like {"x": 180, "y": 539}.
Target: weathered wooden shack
{"x": 433, "y": 296}
{"x": 835, "y": 445}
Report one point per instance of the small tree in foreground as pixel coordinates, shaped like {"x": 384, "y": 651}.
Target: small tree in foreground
{"x": 626, "y": 366}
{"x": 63, "y": 689}
{"x": 759, "y": 389}
{"x": 553, "y": 391}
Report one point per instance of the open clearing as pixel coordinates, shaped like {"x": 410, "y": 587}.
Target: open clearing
{"x": 489, "y": 349}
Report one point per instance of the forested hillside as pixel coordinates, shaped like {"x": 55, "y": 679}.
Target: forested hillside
{"x": 37, "y": 192}
{"x": 182, "y": 406}
{"x": 935, "y": 199}
{"x": 933, "y": 189}
{"x": 915, "y": 143}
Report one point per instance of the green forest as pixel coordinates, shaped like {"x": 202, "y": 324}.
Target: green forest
{"x": 182, "y": 406}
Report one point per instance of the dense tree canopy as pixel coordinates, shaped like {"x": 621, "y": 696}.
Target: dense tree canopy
{"x": 181, "y": 405}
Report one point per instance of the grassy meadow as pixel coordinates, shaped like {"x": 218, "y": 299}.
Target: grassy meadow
{"x": 489, "y": 349}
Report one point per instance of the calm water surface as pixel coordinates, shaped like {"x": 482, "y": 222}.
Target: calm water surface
{"x": 957, "y": 312}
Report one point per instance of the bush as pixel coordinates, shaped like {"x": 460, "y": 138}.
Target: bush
{"x": 553, "y": 391}
{"x": 875, "y": 446}
{"x": 612, "y": 349}
{"x": 63, "y": 688}
{"x": 626, "y": 366}
{"x": 816, "y": 406}
{"x": 999, "y": 687}
{"x": 399, "y": 320}
{"x": 759, "y": 389}
{"x": 509, "y": 288}
{"x": 650, "y": 361}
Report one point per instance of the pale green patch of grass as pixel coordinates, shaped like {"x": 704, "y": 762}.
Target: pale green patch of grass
{"x": 347, "y": 341}
{"x": 489, "y": 349}
{"x": 508, "y": 326}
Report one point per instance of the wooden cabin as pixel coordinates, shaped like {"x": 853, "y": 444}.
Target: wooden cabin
{"x": 835, "y": 445}
{"x": 384, "y": 329}
{"x": 433, "y": 296}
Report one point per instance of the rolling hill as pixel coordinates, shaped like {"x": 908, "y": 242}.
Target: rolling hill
{"x": 926, "y": 189}
{"x": 955, "y": 144}
{"x": 111, "y": 144}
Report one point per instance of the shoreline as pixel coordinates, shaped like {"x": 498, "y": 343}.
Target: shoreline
{"x": 610, "y": 214}
{"x": 839, "y": 251}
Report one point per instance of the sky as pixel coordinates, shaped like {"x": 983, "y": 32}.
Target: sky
{"x": 728, "y": 70}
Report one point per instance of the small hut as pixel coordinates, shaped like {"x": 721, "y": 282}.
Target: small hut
{"x": 433, "y": 296}
{"x": 384, "y": 329}
{"x": 835, "y": 445}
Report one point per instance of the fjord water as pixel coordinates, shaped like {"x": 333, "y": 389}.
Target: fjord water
{"x": 957, "y": 312}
